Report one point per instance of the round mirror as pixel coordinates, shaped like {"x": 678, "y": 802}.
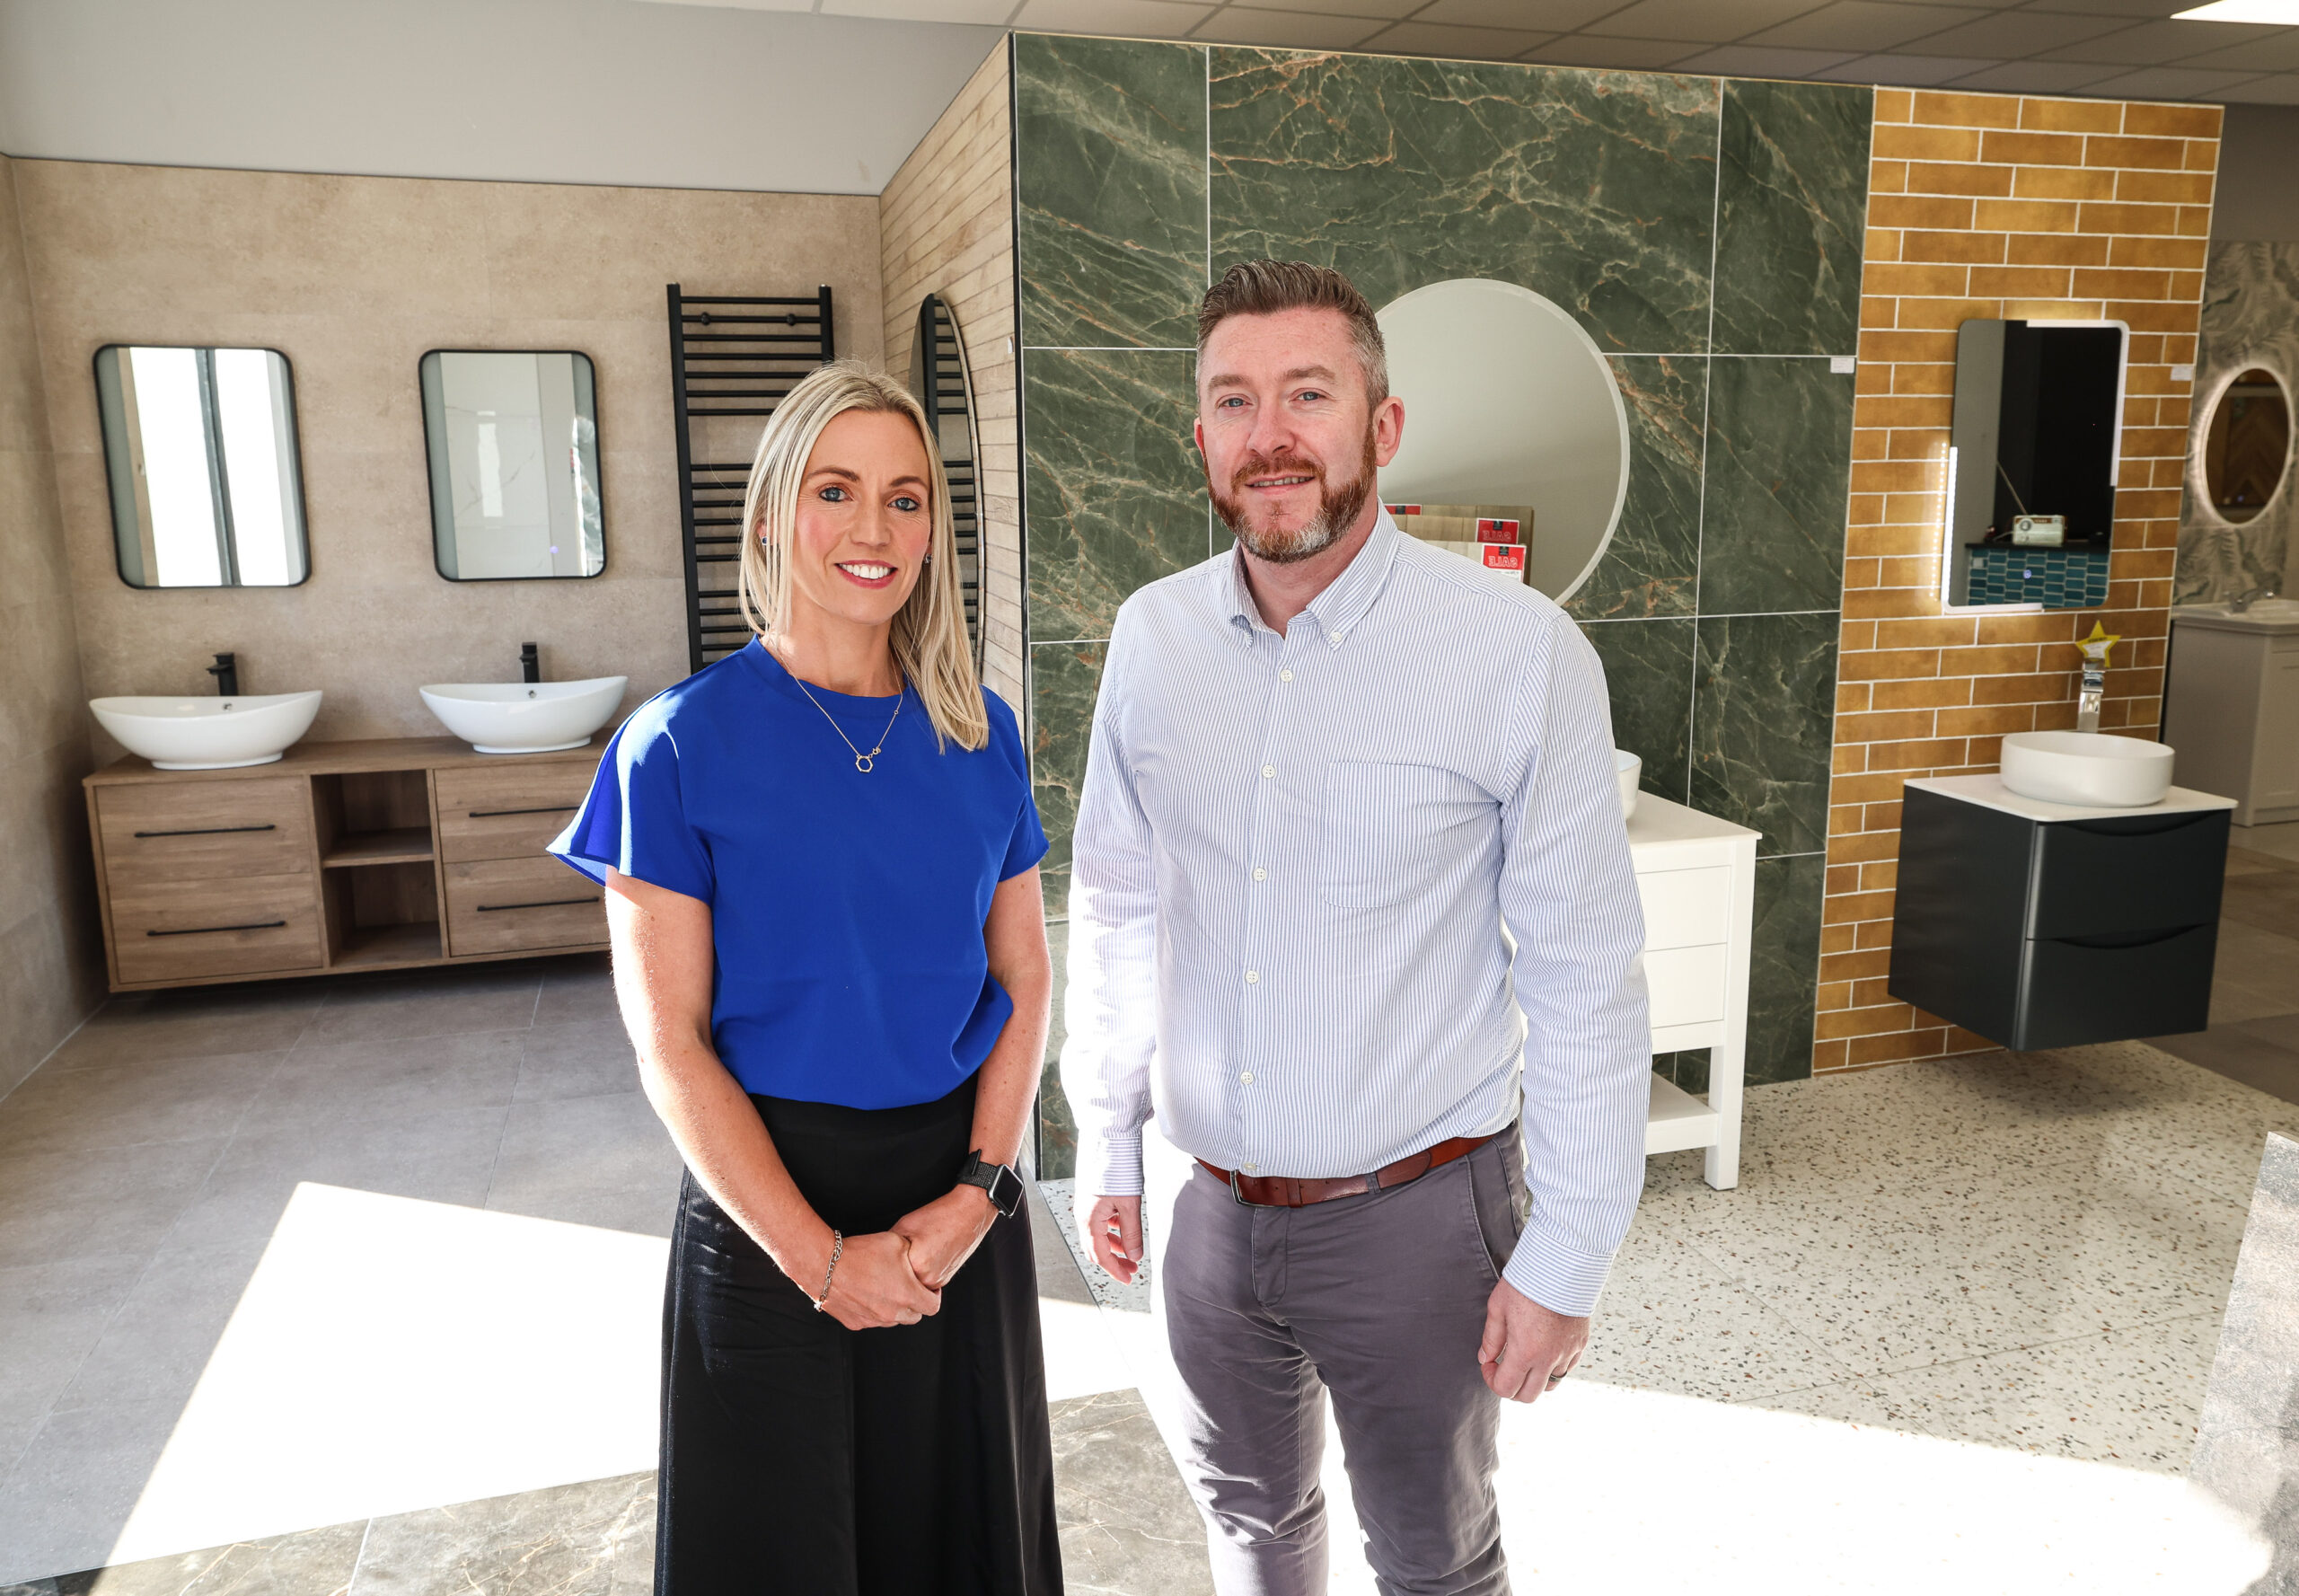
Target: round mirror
{"x": 1508, "y": 403}
{"x": 2248, "y": 448}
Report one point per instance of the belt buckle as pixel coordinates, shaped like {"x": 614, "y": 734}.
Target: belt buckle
{"x": 1237, "y": 1193}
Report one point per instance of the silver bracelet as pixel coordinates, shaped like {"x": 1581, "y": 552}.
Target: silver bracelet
{"x": 837, "y": 1246}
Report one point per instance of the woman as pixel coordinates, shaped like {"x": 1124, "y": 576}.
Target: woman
{"x": 821, "y": 861}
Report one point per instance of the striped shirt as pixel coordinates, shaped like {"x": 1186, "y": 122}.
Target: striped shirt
{"x": 1293, "y": 862}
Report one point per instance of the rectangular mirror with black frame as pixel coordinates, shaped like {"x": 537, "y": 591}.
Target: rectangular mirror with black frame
{"x": 512, "y": 436}
{"x": 200, "y": 454}
{"x": 2035, "y": 440}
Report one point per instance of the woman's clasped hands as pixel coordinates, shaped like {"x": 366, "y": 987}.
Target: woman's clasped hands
{"x": 896, "y": 1276}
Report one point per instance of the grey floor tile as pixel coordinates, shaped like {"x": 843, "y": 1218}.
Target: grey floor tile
{"x": 435, "y": 1003}
{"x": 2282, "y": 1029}
{"x": 53, "y": 1315}
{"x": 254, "y": 1019}
{"x": 308, "y": 1563}
{"x": 441, "y": 1158}
{"x": 2279, "y": 841}
{"x": 591, "y": 1539}
{"x": 579, "y": 1159}
{"x": 155, "y": 1346}
{"x": 2267, "y": 900}
{"x": 75, "y": 1486}
{"x": 577, "y": 1059}
{"x": 2233, "y": 1003}
{"x": 640, "y": 1210}
{"x": 132, "y": 1100}
{"x": 576, "y": 988}
{"x": 2253, "y": 957}
{"x": 324, "y": 1083}
{"x": 60, "y": 1205}
{"x": 2241, "y": 1054}
{"x": 1126, "y": 1521}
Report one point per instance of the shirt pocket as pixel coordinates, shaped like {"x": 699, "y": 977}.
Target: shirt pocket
{"x": 1390, "y": 830}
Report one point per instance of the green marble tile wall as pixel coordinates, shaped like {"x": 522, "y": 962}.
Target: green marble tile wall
{"x": 1705, "y": 231}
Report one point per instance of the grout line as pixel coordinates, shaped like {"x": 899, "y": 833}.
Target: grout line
{"x": 1720, "y": 615}
{"x": 351, "y": 1584}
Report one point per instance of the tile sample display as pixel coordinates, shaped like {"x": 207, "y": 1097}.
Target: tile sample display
{"x": 2250, "y": 320}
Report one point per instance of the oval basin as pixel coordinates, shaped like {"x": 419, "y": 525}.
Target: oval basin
{"x": 1627, "y": 770}
{"x": 2085, "y": 767}
{"x": 208, "y": 734}
{"x": 525, "y": 717}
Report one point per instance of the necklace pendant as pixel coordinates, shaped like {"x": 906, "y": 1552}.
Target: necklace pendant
{"x": 862, "y": 763}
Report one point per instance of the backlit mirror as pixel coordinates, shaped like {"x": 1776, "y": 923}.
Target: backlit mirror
{"x": 938, "y": 376}
{"x": 2247, "y": 451}
{"x": 2033, "y": 447}
{"x": 1511, "y": 416}
{"x": 199, "y": 449}
{"x": 513, "y": 437}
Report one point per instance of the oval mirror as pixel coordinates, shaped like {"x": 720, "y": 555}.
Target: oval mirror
{"x": 938, "y": 375}
{"x": 2247, "y": 451}
{"x": 1508, "y": 403}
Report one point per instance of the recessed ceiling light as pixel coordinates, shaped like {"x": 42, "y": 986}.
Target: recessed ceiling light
{"x": 2278, "y": 14}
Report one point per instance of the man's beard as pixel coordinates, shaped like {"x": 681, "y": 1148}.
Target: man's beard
{"x": 1338, "y": 508}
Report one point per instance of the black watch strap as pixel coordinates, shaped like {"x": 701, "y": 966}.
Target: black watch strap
{"x": 1002, "y": 1185}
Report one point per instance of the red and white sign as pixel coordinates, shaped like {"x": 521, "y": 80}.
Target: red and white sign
{"x": 1491, "y": 530}
{"x": 1504, "y": 557}
{"x": 1402, "y": 510}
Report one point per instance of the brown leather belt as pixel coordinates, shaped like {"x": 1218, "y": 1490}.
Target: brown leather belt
{"x": 1287, "y": 1191}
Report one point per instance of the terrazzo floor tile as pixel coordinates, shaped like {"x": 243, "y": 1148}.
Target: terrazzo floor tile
{"x": 1852, "y": 1401}
{"x": 1672, "y": 1321}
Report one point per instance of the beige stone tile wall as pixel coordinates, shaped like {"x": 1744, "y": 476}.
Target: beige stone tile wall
{"x": 1993, "y": 205}
{"x": 946, "y": 227}
{"x": 353, "y": 279}
{"x": 51, "y": 961}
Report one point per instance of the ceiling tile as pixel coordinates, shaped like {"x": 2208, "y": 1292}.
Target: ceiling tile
{"x": 1625, "y": 55}
{"x": 1388, "y": 10}
{"x": 2281, "y": 88}
{"x": 993, "y": 11}
{"x": 1286, "y": 30}
{"x": 1468, "y": 44}
{"x": 2170, "y": 83}
{"x": 2151, "y": 44}
{"x": 1141, "y": 18}
{"x": 2279, "y": 54}
{"x": 1711, "y": 22}
{"x": 2133, "y": 10}
{"x": 1913, "y": 71}
{"x": 1749, "y": 60}
{"x": 1552, "y": 17}
{"x": 2018, "y": 33}
{"x": 1862, "y": 25}
{"x": 2036, "y": 78}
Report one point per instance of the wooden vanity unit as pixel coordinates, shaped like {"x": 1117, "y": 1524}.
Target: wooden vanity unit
{"x": 387, "y": 854}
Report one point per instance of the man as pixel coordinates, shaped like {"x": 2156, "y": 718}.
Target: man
{"x": 1327, "y": 768}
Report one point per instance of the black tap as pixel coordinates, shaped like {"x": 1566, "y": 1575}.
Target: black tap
{"x": 530, "y": 664}
{"x": 226, "y": 672}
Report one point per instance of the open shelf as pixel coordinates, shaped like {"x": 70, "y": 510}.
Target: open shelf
{"x": 399, "y": 845}
{"x": 375, "y": 944}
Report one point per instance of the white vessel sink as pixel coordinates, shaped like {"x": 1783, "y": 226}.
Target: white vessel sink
{"x": 525, "y": 717}
{"x": 207, "y": 734}
{"x": 1627, "y": 770}
{"x": 2086, "y": 767}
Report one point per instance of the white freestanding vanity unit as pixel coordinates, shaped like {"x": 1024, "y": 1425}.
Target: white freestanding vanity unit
{"x": 2230, "y": 707}
{"x": 1696, "y": 875}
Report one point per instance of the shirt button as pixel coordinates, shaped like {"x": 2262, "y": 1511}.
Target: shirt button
{"x": 1252, "y": 977}
{"x": 1247, "y": 1078}
{"x": 1286, "y": 675}
{"x": 1332, "y": 637}
{"x": 1249, "y": 1169}
{"x": 1268, "y": 771}
{"x": 1261, "y": 875}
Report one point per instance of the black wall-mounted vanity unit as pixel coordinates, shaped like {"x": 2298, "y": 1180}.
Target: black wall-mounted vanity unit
{"x": 2047, "y": 925}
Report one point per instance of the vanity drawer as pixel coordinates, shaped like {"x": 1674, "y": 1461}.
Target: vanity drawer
{"x": 506, "y": 906}
{"x": 241, "y": 925}
{"x": 1686, "y": 908}
{"x": 1687, "y": 986}
{"x": 196, "y": 830}
{"x": 2076, "y": 990}
{"x": 509, "y": 811}
{"x": 2102, "y": 878}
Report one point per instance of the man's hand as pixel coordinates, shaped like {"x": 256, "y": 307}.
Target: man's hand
{"x": 1526, "y": 1348}
{"x": 1114, "y": 1227}
{"x": 942, "y": 1234}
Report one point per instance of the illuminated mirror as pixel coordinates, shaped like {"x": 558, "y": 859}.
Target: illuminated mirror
{"x": 2247, "y": 450}
{"x": 940, "y": 378}
{"x": 200, "y": 450}
{"x": 513, "y": 437}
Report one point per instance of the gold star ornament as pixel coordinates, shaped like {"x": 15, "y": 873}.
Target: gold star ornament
{"x": 2097, "y": 645}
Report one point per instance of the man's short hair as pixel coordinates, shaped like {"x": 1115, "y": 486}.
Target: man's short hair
{"x": 1265, "y": 288}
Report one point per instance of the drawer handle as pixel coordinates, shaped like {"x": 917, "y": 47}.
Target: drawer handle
{"x": 546, "y": 809}
{"x": 209, "y": 831}
{"x": 201, "y": 930}
{"x": 2126, "y": 939}
{"x": 546, "y": 904}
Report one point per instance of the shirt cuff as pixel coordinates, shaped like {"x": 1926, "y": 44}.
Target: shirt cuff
{"x": 1557, "y": 1275}
{"x": 1110, "y": 1165}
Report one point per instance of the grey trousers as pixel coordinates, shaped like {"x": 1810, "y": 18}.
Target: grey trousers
{"x": 1379, "y": 1300}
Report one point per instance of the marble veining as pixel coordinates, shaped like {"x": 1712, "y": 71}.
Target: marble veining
{"x": 2251, "y": 318}
{"x": 1126, "y": 1521}
{"x": 1649, "y": 678}
{"x": 1650, "y": 566}
{"x": 1064, "y": 677}
{"x": 1792, "y": 207}
{"x": 1779, "y": 468}
{"x": 2247, "y": 1453}
{"x": 1595, "y": 188}
{"x": 1783, "y": 970}
{"x": 1111, "y": 203}
{"x": 1760, "y": 735}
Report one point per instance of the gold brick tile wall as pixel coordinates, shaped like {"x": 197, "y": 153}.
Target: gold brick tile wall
{"x": 1992, "y": 205}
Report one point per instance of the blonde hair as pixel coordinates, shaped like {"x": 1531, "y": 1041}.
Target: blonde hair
{"x": 930, "y": 631}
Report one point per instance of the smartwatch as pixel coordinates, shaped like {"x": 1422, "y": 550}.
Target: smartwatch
{"x": 1004, "y": 1186}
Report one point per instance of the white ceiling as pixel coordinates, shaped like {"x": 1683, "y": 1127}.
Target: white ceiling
{"x": 2124, "y": 49}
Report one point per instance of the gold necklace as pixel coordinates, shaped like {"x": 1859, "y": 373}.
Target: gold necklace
{"x": 863, "y": 763}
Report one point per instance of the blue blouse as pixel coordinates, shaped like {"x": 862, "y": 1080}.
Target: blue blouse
{"x": 847, "y": 909}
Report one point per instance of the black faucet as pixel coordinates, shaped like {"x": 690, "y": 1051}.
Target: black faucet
{"x": 226, "y": 672}
{"x": 530, "y": 664}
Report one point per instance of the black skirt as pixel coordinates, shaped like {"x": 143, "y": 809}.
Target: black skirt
{"x": 802, "y": 1457}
